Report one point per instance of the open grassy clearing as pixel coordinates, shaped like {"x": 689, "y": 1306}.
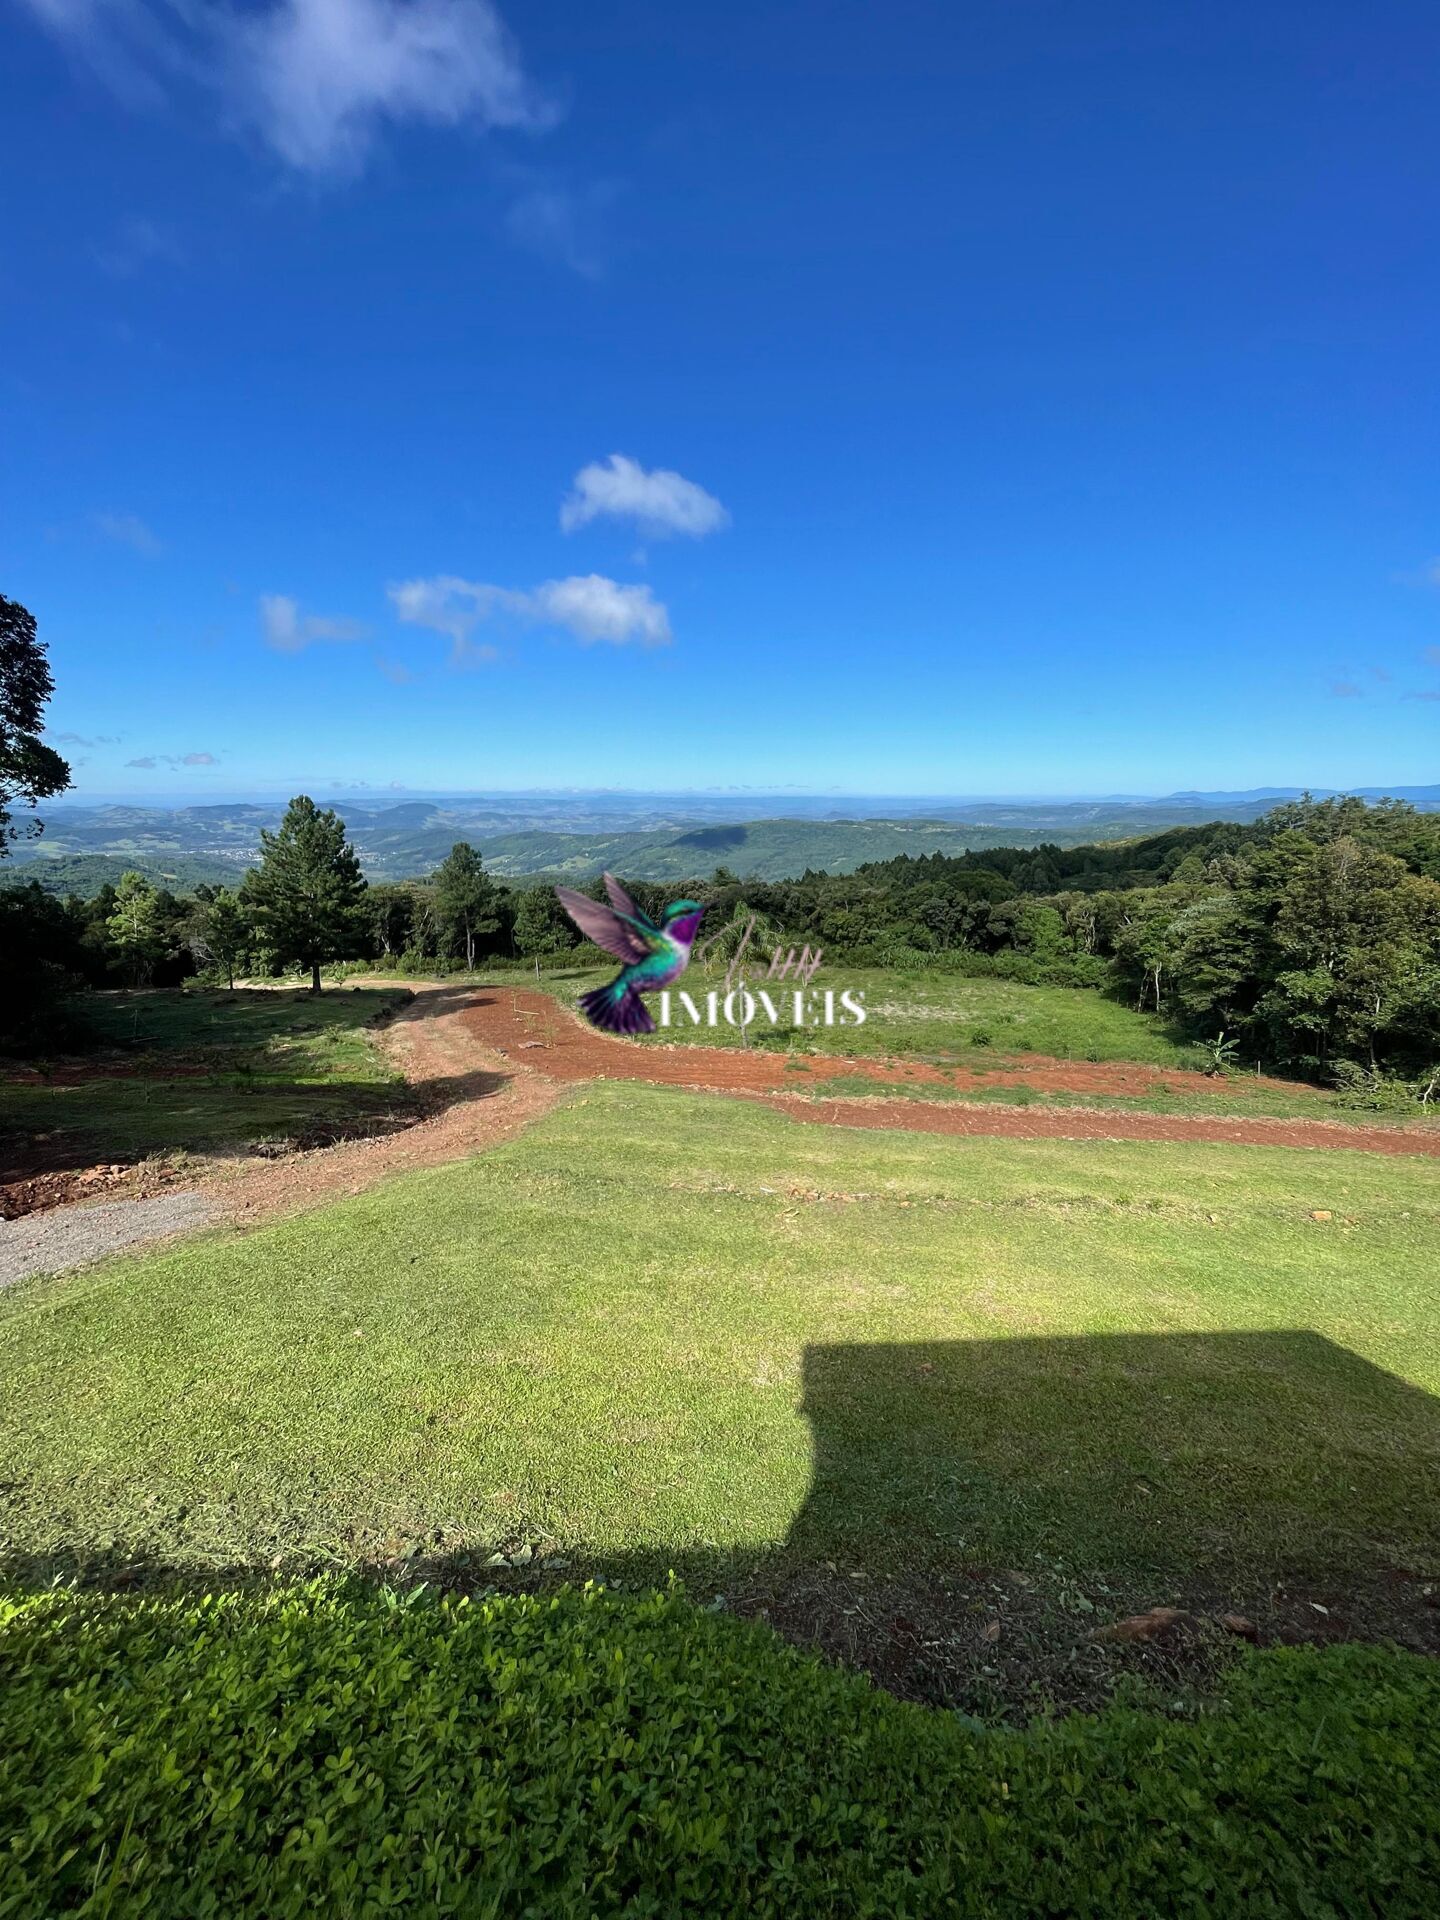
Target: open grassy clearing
{"x": 667, "y": 1330}
{"x": 936, "y": 1016}
{"x": 286, "y": 1031}
{"x": 202, "y": 1072}
{"x": 1227, "y": 1096}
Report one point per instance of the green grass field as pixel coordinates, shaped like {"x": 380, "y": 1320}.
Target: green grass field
{"x": 252, "y": 1066}
{"x": 936, "y": 1407}
{"x": 664, "y": 1329}
{"x": 961, "y": 1025}
{"x": 934, "y": 1016}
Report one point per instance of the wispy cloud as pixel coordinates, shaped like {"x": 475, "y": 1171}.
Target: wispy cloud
{"x": 395, "y": 671}
{"x": 1432, "y": 654}
{"x": 589, "y": 607}
{"x": 1427, "y": 693}
{"x": 287, "y": 630}
{"x": 129, "y": 530}
{"x": 1347, "y": 690}
{"x": 135, "y": 244}
{"x": 317, "y": 80}
{"x": 86, "y": 739}
{"x": 149, "y": 761}
{"x": 562, "y": 223}
{"x": 659, "y": 502}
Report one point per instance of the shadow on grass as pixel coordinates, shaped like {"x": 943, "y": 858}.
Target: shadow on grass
{"x": 978, "y": 1510}
{"x": 62, "y": 1121}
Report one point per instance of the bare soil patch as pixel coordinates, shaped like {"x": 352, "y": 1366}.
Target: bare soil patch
{"x": 467, "y": 1096}
{"x": 535, "y": 1032}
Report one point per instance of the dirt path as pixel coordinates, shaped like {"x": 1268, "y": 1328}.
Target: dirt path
{"x": 537, "y": 1033}
{"x": 472, "y": 1101}
{"x": 487, "y": 1061}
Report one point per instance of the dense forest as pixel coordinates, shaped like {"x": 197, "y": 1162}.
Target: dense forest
{"x": 1309, "y": 938}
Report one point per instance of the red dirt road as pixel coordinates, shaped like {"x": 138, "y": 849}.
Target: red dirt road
{"x": 532, "y": 1030}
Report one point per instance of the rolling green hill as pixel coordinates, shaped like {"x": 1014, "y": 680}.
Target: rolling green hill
{"x": 180, "y": 850}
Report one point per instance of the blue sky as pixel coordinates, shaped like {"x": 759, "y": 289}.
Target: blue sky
{"x": 1011, "y": 397}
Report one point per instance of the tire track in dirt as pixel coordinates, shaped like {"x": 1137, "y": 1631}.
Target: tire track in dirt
{"x": 545, "y": 1040}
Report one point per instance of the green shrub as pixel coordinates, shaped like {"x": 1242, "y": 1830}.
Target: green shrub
{"x": 344, "y": 1751}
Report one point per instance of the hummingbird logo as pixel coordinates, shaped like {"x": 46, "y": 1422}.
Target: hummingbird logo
{"x": 653, "y": 956}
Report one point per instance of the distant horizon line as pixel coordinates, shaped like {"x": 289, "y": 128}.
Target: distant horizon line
{"x": 381, "y": 797}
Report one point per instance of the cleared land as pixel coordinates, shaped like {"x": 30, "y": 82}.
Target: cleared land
{"x": 941, "y": 1036}
{"x": 1025, "y": 1097}
{"x": 932, "y": 1015}
{"x": 170, "y": 1073}
{"x": 888, "y": 1389}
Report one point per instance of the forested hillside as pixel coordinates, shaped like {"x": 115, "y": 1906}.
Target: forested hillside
{"x": 1311, "y": 936}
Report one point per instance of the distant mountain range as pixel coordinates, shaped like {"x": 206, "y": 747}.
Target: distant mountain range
{"x": 576, "y": 836}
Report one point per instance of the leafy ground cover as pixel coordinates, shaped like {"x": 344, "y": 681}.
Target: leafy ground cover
{"x": 329, "y": 1750}
{"x": 962, "y": 1385}
{"x": 202, "y": 1072}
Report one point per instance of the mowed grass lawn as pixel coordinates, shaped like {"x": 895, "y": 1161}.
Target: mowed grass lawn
{"x": 668, "y": 1329}
{"x": 203, "y": 1072}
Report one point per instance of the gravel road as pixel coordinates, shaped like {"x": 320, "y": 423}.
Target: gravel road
{"x": 74, "y": 1236}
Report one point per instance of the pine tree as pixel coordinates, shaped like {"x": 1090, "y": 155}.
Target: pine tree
{"x": 134, "y": 927}
{"x": 465, "y": 898}
{"x": 222, "y": 933}
{"x": 306, "y": 896}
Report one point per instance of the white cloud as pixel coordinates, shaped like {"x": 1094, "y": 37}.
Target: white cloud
{"x": 129, "y": 530}
{"x": 659, "y": 502}
{"x": 317, "y": 79}
{"x": 445, "y": 604}
{"x": 587, "y": 606}
{"x": 594, "y": 608}
{"x": 288, "y": 631}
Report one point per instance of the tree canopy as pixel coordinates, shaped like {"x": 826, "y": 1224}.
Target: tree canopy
{"x": 306, "y": 897}
{"x": 29, "y": 770}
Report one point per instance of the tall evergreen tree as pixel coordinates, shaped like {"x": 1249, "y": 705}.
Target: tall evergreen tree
{"x": 221, "y": 932}
{"x": 306, "y": 897}
{"x": 135, "y": 927}
{"x": 465, "y": 900}
{"x": 541, "y": 925}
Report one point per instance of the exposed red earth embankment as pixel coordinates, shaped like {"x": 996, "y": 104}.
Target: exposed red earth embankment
{"x": 535, "y": 1031}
